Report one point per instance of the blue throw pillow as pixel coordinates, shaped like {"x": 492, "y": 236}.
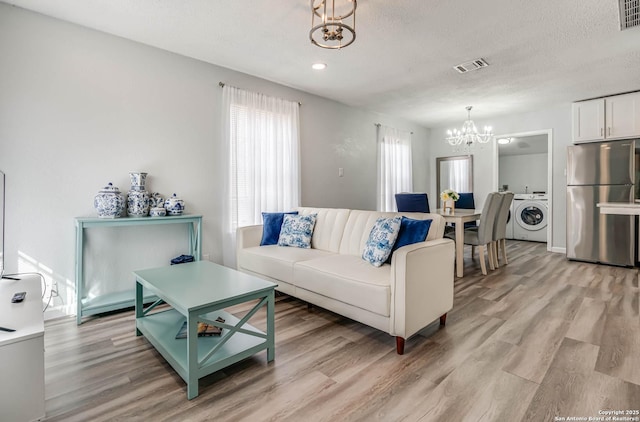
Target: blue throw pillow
{"x": 381, "y": 239}
{"x": 272, "y": 224}
{"x": 297, "y": 230}
{"x": 411, "y": 231}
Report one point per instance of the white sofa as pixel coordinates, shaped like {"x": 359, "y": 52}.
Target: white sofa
{"x": 401, "y": 298}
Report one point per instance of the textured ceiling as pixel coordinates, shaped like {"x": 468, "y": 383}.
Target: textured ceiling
{"x": 540, "y": 52}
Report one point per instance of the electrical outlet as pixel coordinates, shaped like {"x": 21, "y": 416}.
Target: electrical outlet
{"x": 340, "y": 172}
{"x": 205, "y": 257}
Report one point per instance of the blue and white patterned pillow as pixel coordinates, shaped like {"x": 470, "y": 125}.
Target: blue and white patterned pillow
{"x": 297, "y": 230}
{"x": 381, "y": 239}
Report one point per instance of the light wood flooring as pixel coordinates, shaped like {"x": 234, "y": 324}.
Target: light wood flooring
{"x": 539, "y": 339}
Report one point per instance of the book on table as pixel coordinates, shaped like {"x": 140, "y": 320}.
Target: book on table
{"x": 204, "y": 329}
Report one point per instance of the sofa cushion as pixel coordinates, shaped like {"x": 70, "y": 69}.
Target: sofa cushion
{"x": 271, "y": 226}
{"x": 347, "y": 278}
{"x": 330, "y": 223}
{"x": 275, "y": 261}
{"x": 411, "y": 231}
{"x": 359, "y": 224}
{"x": 297, "y": 230}
{"x": 381, "y": 239}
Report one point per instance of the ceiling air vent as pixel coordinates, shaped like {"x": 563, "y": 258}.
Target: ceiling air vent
{"x": 473, "y": 65}
{"x": 629, "y": 13}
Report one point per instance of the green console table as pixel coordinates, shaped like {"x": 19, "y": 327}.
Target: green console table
{"x": 124, "y": 299}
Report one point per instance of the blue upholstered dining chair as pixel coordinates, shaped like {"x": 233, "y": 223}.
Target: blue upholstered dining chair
{"x": 412, "y": 202}
{"x": 467, "y": 202}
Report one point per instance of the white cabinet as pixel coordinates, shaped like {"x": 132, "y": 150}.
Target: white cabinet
{"x": 588, "y": 120}
{"x": 22, "y": 352}
{"x": 615, "y": 117}
{"x": 623, "y": 116}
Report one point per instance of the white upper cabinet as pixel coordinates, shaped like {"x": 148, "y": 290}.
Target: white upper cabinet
{"x": 615, "y": 117}
{"x": 623, "y": 116}
{"x": 588, "y": 120}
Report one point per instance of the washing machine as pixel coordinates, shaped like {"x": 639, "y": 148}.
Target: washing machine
{"x": 530, "y": 217}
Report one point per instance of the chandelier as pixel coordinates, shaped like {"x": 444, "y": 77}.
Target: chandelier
{"x": 468, "y": 136}
{"x": 333, "y": 27}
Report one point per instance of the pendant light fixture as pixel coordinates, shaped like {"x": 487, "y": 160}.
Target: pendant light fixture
{"x": 333, "y": 23}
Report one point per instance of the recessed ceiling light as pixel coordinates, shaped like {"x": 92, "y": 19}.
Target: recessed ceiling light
{"x": 319, "y": 66}
{"x": 504, "y": 141}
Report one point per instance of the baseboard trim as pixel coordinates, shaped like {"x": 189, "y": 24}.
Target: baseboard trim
{"x": 54, "y": 313}
{"x": 557, "y": 249}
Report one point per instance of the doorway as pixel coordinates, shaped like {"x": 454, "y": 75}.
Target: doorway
{"x": 524, "y": 166}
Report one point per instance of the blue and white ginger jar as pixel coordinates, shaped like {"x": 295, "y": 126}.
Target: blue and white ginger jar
{"x": 109, "y": 202}
{"x": 174, "y": 205}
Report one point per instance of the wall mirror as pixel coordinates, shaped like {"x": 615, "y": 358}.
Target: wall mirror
{"x": 455, "y": 173}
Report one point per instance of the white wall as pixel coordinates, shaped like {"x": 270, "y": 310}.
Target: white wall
{"x": 523, "y": 173}
{"x": 80, "y": 108}
{"x": 557, "y": 118}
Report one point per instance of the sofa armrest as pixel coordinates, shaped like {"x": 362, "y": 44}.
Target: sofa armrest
{"x": 421, "y": 285}
{"x": 249, "y": 236}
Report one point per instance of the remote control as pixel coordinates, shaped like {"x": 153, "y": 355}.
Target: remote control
{"x": 18, "y": 297}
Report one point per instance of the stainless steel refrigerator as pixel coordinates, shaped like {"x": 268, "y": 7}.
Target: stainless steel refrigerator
{"x": 600, "y": 172}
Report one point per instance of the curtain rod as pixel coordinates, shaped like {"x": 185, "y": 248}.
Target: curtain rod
{"x": 222, "y": 84}
{"x": 378, "y": 126}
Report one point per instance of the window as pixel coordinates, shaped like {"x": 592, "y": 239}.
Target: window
{"x": 395, "y": 173}
{"x": 262, "y": 140}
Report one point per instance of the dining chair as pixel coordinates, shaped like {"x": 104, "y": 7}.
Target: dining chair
{"x": 467, "y": 202}
{"x": 500, "y": 228}
{"x": 412, "y": 202}
{"x": 483, "y": 236}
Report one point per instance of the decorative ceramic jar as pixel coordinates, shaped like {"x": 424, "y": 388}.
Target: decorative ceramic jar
{"x": 156, "y": 200}
{"x": 174, "y": 205}
{"x": 157, "y": 212}
{"x": 138, "y": 180}
{"x": 109, "y": 202}
{"x": 138, "y": 198}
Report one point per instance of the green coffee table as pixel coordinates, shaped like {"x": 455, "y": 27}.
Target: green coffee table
{"x": 200, "y": 291}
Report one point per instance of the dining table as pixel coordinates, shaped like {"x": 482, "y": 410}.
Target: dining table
{"x": 459, "y": 216}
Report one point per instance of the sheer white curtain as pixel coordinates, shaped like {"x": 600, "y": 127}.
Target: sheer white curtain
{"x": 459, "y": 176}
{"x": 261, "y": 136}
{"x": 395, "y": 173}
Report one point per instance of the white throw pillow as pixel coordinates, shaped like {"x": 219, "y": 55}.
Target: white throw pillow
{"x": 381, "y": 239}
{"x": 297, "y": 230}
